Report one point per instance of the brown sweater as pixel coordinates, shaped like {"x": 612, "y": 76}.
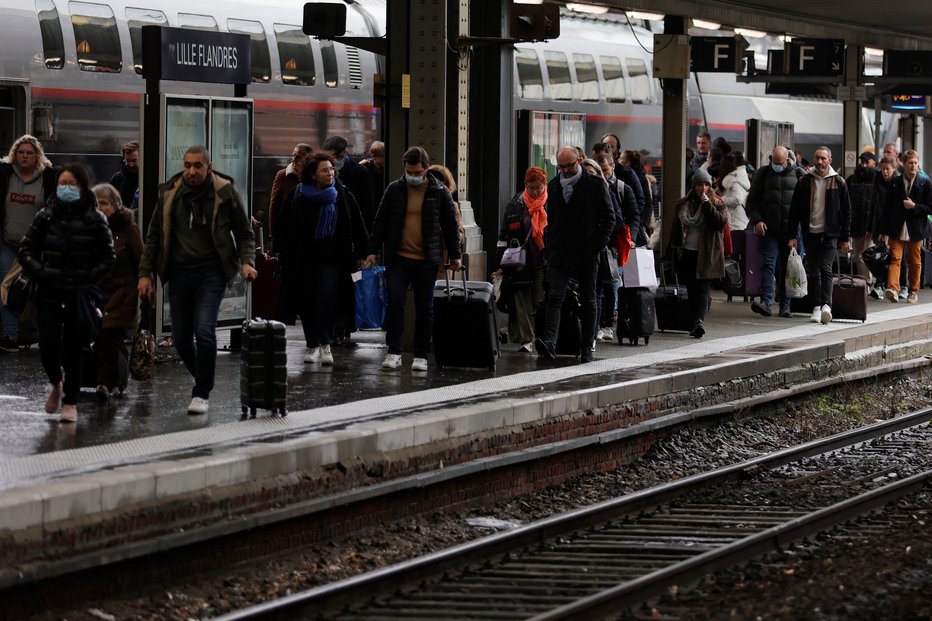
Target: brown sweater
{"x": 412, "y": 239}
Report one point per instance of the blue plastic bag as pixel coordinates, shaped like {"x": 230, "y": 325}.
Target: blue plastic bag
{"x": 371, "y": 297}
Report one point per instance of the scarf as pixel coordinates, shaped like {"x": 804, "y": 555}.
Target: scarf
{"x": 192, "y": 195}
{"x": 691, "y": 219}
{"x": 535, "y": 207}
{"x": 568, "y": 182}
{"x": 326, "y": 199}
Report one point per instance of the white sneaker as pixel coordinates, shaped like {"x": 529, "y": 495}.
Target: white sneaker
{"x": 326, "y": 357}
{"x": 826, "y": 314}
{"x": 600, "y": 335}
{"x": 392, "y": 361}
{"x": 608, "y": 334}
{"x": 816, "y": 315}
{"x": 197, "y": 406}
{"x": 419, "y": 364}
{"x": 527, "y": 347}
{"x": 904, "y": 293}
{"x": 314, "y": 356}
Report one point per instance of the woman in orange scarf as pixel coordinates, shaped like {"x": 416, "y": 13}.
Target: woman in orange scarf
{"x": 523, "y": 288}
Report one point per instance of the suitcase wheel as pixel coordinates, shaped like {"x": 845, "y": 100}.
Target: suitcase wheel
{"x": 245, "y": 413}
{"x": 729, "y": 297}
{"x": 632, "y": 340}
{"x": 252, "y": 412}
{"x": 646, "y": 340}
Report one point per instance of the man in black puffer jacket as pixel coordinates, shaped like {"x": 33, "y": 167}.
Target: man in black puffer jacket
{"x": 415, "y": 221}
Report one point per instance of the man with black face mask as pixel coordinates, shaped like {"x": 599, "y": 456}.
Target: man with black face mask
{"x": 861, "y": 193}
{"x": 353, "y": 175}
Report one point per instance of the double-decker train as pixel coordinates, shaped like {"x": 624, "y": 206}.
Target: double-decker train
{"x": 71, "y": 74}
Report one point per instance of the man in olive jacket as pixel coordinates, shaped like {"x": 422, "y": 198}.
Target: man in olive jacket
{"x": 580, "y": 218}
{"x": 199, "y": 239}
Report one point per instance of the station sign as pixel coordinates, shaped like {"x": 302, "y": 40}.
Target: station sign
{"x": 816, "y": 57}
{"x": 908, "y": 102}
{"x": 715, "y": 55}
{"x": 195, "y": 55}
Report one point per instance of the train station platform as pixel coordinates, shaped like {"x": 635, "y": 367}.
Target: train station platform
{"x": 355, "y": 424}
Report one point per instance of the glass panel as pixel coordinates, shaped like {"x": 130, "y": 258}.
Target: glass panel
{"x": 135, "y": 20}
{"x": 96, "y": 38}
{"x": 530, "y": 79}
{"x": 259, "y": 48}
{"x": 331, "y": 72}
{"x": 614, "y": 79}
{"x": 587, "y": 80}
{"x": 53, "y": 43}
{"x": 297, "y": 60}
{"x": 558, "y": 71}
{"x": 640, "y": 80}
{"x": 197, "y": 22}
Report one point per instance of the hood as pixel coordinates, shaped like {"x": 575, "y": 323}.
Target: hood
{"x": 831, "y": 173}
{"x": 737, "y": 176}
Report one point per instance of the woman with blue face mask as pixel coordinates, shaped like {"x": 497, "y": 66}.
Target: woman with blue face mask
{"x": 66, "y": 251}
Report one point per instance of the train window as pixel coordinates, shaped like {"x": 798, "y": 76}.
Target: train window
{"x": 294, "y": 50}
{"x": 197, "y": 22}
{"x": 258, "y": 47}
{"x": 640, "y": 80}
{"x": 53, "y": 43}
{"x": 96, "y": 38}
{"x": 135, "y": 20}
{"x": 587, "y": 80}
{"x": 529, "y": 76}
{"x": 331, "y": 72}
{"x": 614, "y": 79}
{"x": 558, "y": 70}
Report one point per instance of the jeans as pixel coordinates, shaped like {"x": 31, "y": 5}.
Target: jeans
{"x": 698, "y": 288}
{"x": 58, "y": 346}
{"x": 318, "y": 304}
{"x": 607, "y": 303}
{"x": 420, "y": 276}
{"x": 774, "y": 253}
{"x": 195, "y": 295}
{"x": 557, "y": 279}
{"x": 820, "y": 261}
{"x": 10, "y": 321}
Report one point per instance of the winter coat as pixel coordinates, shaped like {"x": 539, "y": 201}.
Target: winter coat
{"x": 516, "y": 224}
{"x": 577, "y": 231}
{"x": 67, "y": 246}
{"x": 837, "y": 206}
{"x": 735, "y": 188}
{"x": 917, "y": 222}
{"x": 769, "y": 198}
{"x": 861, "y": 188}
{"x": 710, "y": 262}
{"x": 438, "y": 222}
{"x": 879, "y": 206}
{"x": 300, "y": 253}
{"x": 286, "y": 180}
{"x": 49, "y": 182}
{"x": 233, "y": 237}
{"x": 126, "y": 182}
{"x": 120, "y": 284}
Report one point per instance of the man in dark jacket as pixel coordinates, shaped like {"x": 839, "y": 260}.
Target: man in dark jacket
{"x": 126, "y": 180}
{"x": 286, "y": 180}
{"x": 861, "y": 191}
{"x": 199, "y": 239}
{"x": 353, "y": 175}
{"x": 580, "y": 218}
{"x": 822, "y": 209}
{"x": 768, "y": 207}
{"x": 415, "y": 221}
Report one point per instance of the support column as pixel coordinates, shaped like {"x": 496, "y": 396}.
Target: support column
{"x": 674, "y": 141}
{"x": 853, "y": 141}
{"x": 395, "y": 118}
{"x": 428, "y": 54}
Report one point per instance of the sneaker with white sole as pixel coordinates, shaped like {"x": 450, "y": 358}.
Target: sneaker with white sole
{"x": 826, "y": 314}
{"x": 527, "y": 347}
{"x": 877, "y": 293}
{"x": 816, "y": 315}
{"x": 608, "y": 334}
{"x": 392, "y": 361}
{"x": 419, "y": 364}
{"x": 600, "y": 335}
{"x": 313, "y": 357}
{"x": 913, "y": 298}
{"x": 904, "y": 293}
{"x": 326, "y": 356}
{"x": 890, "y": 294}
{"x": 69, "y": 414}
{"x": 197, "y": 406}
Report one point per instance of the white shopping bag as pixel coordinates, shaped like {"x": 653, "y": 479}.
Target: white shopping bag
{"x": 796, "y": 283}
{"x": 639, "y": 270}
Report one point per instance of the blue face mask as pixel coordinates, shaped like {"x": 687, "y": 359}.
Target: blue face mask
{"x": 415, "y": 180}
{"x": 338, "y": 163}
{"x": 777, "y": 168}
{"x": 68, "y": 193}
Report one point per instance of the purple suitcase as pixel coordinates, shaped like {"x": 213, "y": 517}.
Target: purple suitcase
{"x": 746, "y": 251}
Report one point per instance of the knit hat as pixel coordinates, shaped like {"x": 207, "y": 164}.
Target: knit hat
{"x": 535, "y": 175}
{"x": 867, "y": 156}
{"x": 701, "y": 176}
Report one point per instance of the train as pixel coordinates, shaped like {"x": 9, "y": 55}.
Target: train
{"x": 71, "y": 74}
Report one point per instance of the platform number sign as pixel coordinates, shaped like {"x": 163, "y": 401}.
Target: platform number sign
{"x": 816, "y": 57}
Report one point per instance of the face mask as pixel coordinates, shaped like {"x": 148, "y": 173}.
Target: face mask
{"x": 68, "y": 193}
{"x": 413, "y": 180}
{"x": 339, "y": 163}
{"x": 777, "y": 168}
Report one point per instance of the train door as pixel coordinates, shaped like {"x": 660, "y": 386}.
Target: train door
{"x": 14, "y": 105}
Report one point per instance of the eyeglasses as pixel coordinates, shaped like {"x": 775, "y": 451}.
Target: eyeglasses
{"x": 569, "y": 166}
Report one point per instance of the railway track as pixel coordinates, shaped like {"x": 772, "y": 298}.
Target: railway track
{"x": 591, "y": 561}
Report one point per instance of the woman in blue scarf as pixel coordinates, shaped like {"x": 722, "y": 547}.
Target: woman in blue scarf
{"x": 324, "y": 241}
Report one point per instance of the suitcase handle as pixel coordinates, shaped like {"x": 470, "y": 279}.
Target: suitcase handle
{"x": 449, "y": 289}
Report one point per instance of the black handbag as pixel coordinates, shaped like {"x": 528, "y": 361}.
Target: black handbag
{"x": 19, "y": 290}
{"x": 733, "y": 277}
{"x": 877, "y": 255}
{"x": 89, "y": 314}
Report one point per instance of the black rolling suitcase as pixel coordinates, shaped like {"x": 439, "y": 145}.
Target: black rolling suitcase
{"x": 636, "y": 314}
{"x": 465, "y": 327}
{"x": 672, "y": 308}
{"x": 568, "y": 335}
{"x": 263, "y": 381}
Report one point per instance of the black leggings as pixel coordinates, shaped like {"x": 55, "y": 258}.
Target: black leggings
{"x": 697, "y": 288}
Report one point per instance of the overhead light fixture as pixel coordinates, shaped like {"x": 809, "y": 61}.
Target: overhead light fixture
{"x": 645, "y": 15}
{"x": 587, "y": 8}
{"x": 529, "y": 1}
{"x": 698, "y": 23}
{"x": 786, "y": 38}
{"x": 873, "y": 51}
{"x": 753, "y": 34}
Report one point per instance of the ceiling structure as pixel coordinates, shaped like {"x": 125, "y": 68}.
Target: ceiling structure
{"x": 867, "y": 23}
